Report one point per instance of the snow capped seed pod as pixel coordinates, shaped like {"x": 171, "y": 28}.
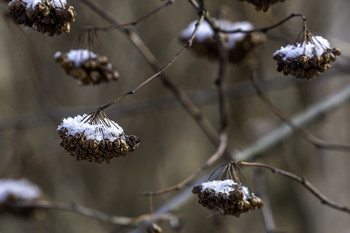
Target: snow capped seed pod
{"x": 262, "y": 4}
{"x": 95, "y": 138}
{"x": 226, "y": 196}
{"x": 46, "y": 16}
{"x": 307, "y": 60}
{"x": 238, "y": 45}
{"x": 86, "y": 66}
{"x": 14, "y": 192}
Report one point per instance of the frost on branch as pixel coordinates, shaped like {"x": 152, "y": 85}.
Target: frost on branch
{"x": 46, "y": 16}
{"x": 227, "y": 197}
{"x": 95, "y": 137}
{"x": 307, "y": 59}
{"x": 238, "y": 45}
{"x": 13, "y": 192}
{"x": 86, "y": 66}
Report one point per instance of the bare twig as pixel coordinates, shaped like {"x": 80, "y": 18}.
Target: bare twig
{"x": 317, "y": 142}
{"x": 172, "y": 60}
{"x": 87, "y": 212}
{"x": 302, "y": 180}
{"x": 132, "y": 23}
{"x": 219, "y": 152}
{"x": 204, "y": 124}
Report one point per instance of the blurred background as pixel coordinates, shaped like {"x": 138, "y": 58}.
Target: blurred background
{"x": 35, "y": 94}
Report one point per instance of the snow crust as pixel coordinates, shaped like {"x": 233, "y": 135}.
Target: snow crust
{"x": 20, "y": 189}
{"x": 78, "y": 56}
{"x": 318, "y": 45}
{"x": 97, "y": 131}
{"x": 33, "y": 3}
{"x": 225, "y": 186}
{"x": 205, "y": 31}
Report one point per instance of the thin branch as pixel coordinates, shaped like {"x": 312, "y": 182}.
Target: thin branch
{"x": 317, "y": 142}
{"x": 172, "y": 60}
{"x": 302, "y": 180}
{"x": 132, "y": 23}
{"x": 219, "y": 152}
{"x": 87, "y": 212}
{"x": 185, "y": 101}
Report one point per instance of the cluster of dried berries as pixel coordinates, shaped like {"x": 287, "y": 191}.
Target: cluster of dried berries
{"x": 306, "y": 60}
{"x": 15, "y": 192}
{"x": 86, "y": 66}
{"x": 239, "y": 46}
{"x": 47, "y": 16}
{"x": 227, "y": 197}
{"x": 262, "y": 4}
{"x": 95, "y": 138}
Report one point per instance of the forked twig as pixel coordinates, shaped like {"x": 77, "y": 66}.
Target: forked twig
{"x": 302, "y": 180}
{"x": 317, "y": 142}
{"x": 219, "y": 152}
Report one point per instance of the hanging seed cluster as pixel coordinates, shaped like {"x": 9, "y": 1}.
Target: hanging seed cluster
{"x": 14, "y": 192}
{"x": 227, "y": 197}
{"x": 238, "y": 46}
{"x": 87, "y": 67}
{"x": 95, "y": 142}
{"x": 48, "y": 16}
{"x": 262, "y": 4}
{"x": 307, "y": 60}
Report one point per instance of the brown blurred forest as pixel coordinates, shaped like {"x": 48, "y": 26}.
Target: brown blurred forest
{"x": 35, "y": 94}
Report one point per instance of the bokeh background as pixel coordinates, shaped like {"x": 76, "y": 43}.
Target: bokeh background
{"x": 35, "y": 94}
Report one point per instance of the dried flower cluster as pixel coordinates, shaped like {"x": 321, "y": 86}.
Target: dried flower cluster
{"x": 239, "y": 46}
{"x": 46, "y": 16}
{"x": 12, "y": 192}
{"x": 262, "y": 4}
{"x": 306, "y": 60}
{"x": 227, "y": 196}
{"x": 95, "y": 138}
{"x": 86, "y": 66}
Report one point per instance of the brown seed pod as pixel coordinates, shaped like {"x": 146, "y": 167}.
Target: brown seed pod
{"x": 48, "y": 16}
{"x": 238, "y": 46}
{"x": 226, "y": 196}
{"x": 263, "y": 5}
{"x": 87, "y": 67}
{"x": 95, "y": 138}
{"x": 307, "y": 60}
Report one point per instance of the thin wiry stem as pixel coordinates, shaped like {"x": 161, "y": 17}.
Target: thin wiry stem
{"x": 87, "y": 212}
{"x": 219, "y": 152}
{"x": 185, "y": 101}
{"x": 302, "y": 180}
{"x": 317, "y": 142}
{"x": 172, "y": 60}
{"x": 132, "y": 23}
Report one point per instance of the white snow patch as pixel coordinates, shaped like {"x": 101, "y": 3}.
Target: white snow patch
{"x": 33, "y": 3}
{"x": 205, "y": 31}
{"x": 96, "y": 131}
{"x": 226, "y": 186}
{"x": 79, "y": 56}
{"x": 317, "y": 46}
{"x": 20, "y": 189}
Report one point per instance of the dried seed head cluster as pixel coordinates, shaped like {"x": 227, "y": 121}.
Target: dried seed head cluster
{"x": 13, "y": 192}
{"x": 262, "y": 4}
{"x": 239, "y": 46}
{"x": 86, "y": 66}
{"x": 46, "y": 16}
{"x": 227, "y": 196}
{"x": 306, "y": 60}
{"x": 95, "y": 138}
